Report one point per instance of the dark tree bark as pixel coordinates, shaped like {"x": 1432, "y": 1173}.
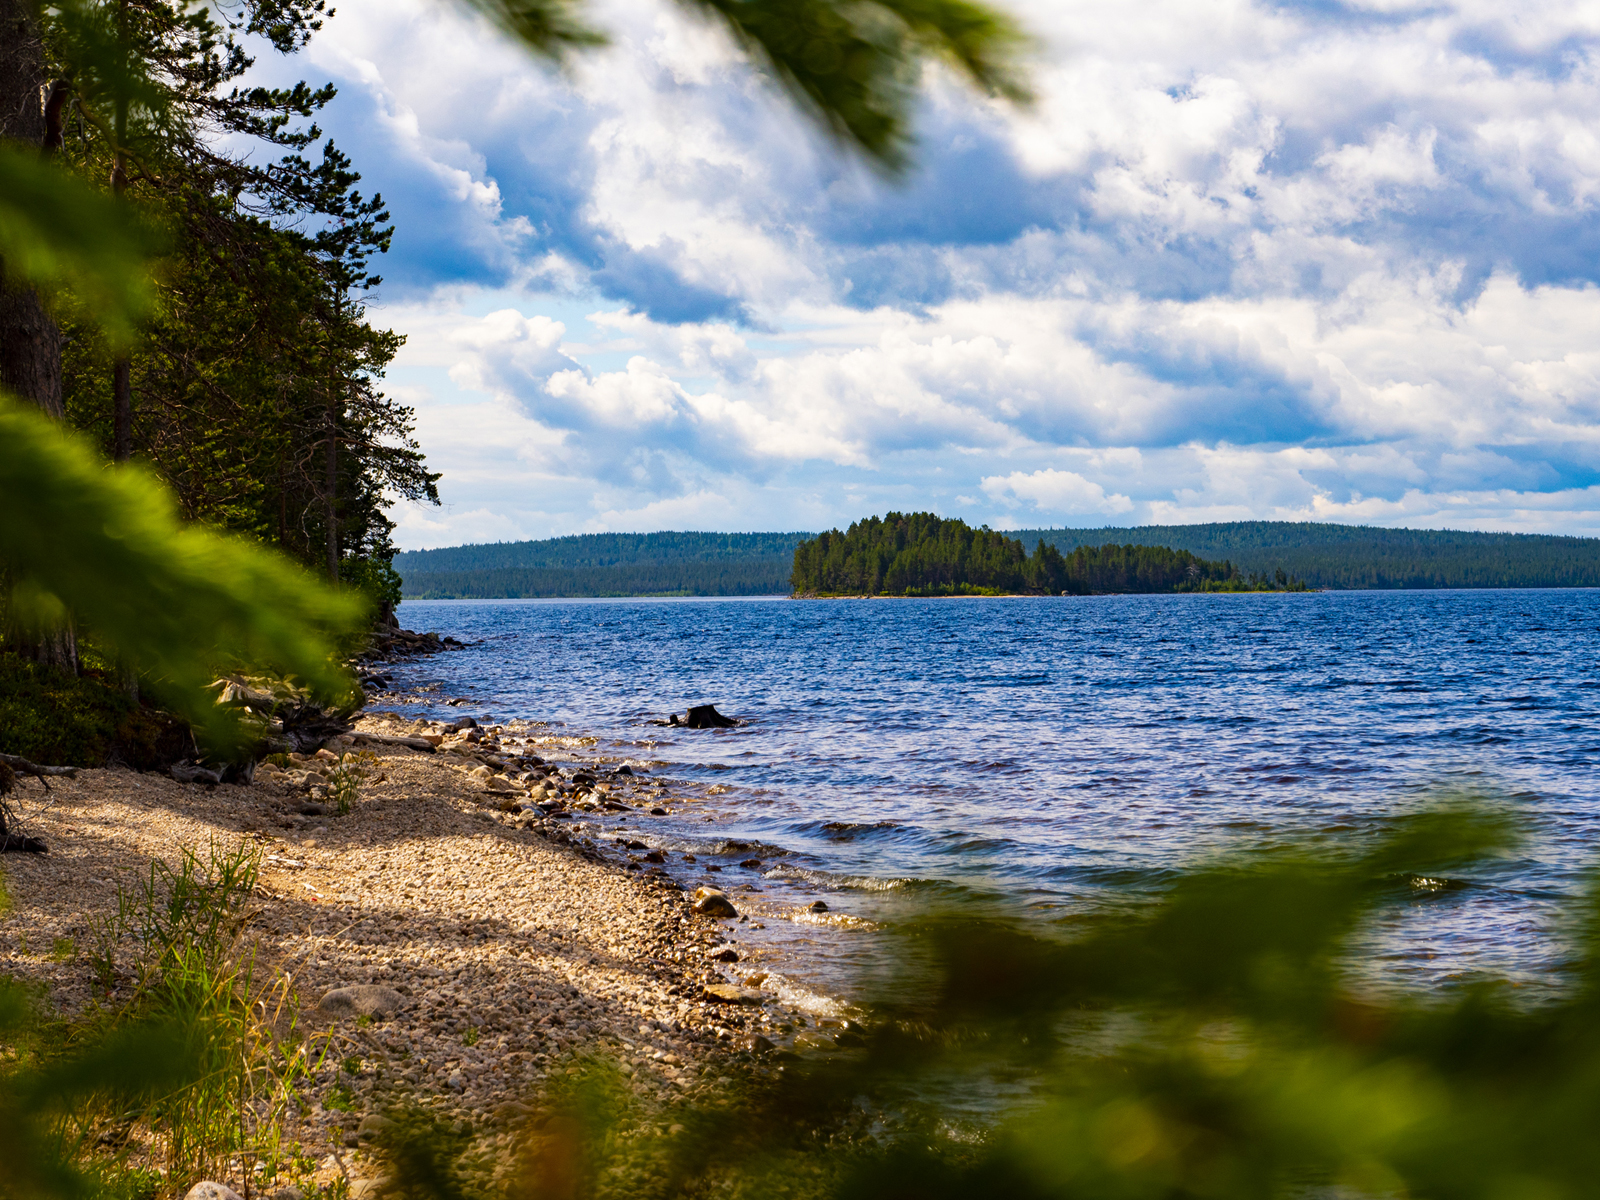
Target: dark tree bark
{"x": 30, "y": 342}
{"x": 122, "y": 369}
{"x": 331, "y": 494}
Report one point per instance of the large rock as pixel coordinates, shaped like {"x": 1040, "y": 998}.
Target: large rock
{"x": 194, "y": 773}
{"x": 709, "y": 902}
{"x": 363, "y": 1000}
{"x": 206, "y": 1190}
{"x": 732, "y": 993}
{"x": 705, "y": 716}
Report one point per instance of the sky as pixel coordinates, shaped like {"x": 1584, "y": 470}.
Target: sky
{"x": 1299, "y": 261}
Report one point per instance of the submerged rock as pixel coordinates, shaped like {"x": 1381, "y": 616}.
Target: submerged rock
{"x": 732, "y": 993}
{"x": 709, "y": 902}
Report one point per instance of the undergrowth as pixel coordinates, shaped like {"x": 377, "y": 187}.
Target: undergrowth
{"x": 52, "y": 717}
{"x": 175, "y": 955}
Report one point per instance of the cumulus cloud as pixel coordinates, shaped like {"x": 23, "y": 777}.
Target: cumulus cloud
{"x": 1242, "y": 258}
{"x": 1057, "y": 492}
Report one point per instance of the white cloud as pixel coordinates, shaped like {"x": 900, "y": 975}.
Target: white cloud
{"x": 1282, "y": 261}
{"x": 1057, "y": 492}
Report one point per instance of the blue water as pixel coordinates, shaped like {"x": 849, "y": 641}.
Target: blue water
{"x": 1067, "y": 752}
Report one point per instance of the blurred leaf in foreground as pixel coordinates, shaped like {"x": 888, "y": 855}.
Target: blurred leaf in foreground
{"x": 106, "y": 545}
{"x": 1227, "y": 1040}
{"x": 39, "y": 1100}
{"x": 55, "y": 231}
{"x": 851, "y": 65}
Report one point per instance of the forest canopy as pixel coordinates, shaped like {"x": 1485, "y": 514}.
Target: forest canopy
{"x": 921, "y": 554}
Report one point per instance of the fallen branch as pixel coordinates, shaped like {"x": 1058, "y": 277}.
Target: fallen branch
{"x": 385, "y": 739}
{"x": 22, "y": 765}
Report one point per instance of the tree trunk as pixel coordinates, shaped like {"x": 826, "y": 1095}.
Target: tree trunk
{"x": 30, "y": 342}
{"x": 122, "y": 369}
{"x": 330, "y": 495}
{"x": 122, "y": 409}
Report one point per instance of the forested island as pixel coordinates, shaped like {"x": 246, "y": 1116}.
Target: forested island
{"x": 922, "y": 554}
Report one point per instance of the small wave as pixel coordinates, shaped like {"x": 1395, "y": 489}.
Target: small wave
{"x": 797, "y": 995}
{"x": 828, "y": 879}
{"x": 853, "y": 831}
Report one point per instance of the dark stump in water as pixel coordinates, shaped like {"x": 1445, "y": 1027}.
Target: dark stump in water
{"x": 704, "y": 716}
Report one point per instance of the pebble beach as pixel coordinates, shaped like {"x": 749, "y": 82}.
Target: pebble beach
{"x": 444, "y": 933}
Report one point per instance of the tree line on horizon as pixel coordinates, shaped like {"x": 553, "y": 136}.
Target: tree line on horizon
{"x": 922, "y": 554}
{"x": 699, "y": 563}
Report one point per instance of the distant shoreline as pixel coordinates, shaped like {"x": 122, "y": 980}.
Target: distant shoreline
{"x": 727, "y": 566}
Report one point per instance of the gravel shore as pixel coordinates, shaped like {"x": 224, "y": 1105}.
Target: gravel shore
{"x": 486, "y": 947}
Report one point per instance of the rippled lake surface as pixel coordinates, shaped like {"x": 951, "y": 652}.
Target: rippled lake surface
{"x": 1063, "y": 753}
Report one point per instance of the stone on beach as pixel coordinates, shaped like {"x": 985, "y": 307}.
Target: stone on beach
{"x": 362, "y": 999}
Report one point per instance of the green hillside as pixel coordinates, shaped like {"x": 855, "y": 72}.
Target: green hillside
{"x": 1362, "y": 556}
{"x": 605, "y": 564}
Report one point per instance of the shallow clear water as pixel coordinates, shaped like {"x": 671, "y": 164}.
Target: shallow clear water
{"x": 1068, "y": 752}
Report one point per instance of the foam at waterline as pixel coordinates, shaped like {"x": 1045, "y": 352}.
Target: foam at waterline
{"x": 796, "y": 995}
{"x": 860, "y": 883}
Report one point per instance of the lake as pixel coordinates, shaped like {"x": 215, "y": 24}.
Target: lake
{"x": 1050, "y": 754}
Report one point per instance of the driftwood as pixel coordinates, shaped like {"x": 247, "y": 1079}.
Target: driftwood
{"x": 24, "y": 767}
{"x": 8, "y": 780}
{"x": 386, "y": 739}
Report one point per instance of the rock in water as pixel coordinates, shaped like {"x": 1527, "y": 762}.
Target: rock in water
{"x": 706, "y": 716}
{"x": 729, "y": 993}
{"x": 207, "y": 1190}
{"x": 709, "y": 902}
{"x": 362, "y": 999}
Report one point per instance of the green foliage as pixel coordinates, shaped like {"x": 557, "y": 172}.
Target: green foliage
{"x": 56, "y": 232}
{"x": 376, "y": 577}
{"x": 174, "y": 600}
{"x": 919, "y": 554}
{"x": 598, "y": 550}
{"x": 768, "y": 576}
{"x": 47, "y": 1091}
{"x": 854, "y": 65}
{"x": 1361, "y": 556}
{"x": 344, "y": 780}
